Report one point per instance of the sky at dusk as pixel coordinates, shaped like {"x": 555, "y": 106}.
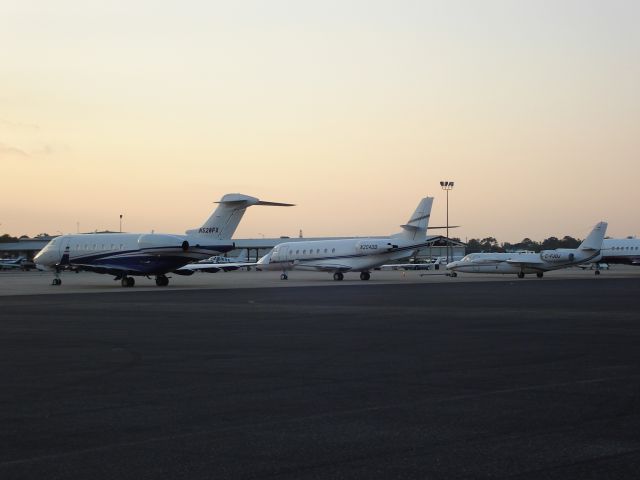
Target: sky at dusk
{"x": 353, "y": 110}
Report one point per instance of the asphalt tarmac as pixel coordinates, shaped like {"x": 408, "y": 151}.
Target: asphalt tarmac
{"x": 494, "y": 379}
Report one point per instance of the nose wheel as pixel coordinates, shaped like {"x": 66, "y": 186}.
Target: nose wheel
{"x": 365, "y": 276}
{"x": 56, "y": 281}
{"x": 283, "y": 276}
{"x": 127, "y": 282}
{"x": 162, "y": 280}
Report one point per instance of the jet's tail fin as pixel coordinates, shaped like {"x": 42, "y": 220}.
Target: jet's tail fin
{"x": 594, "y": 239}
{"x": 222, "y": 223}
{"x": 416, "y": 227}
{"x": 243, "y": 256}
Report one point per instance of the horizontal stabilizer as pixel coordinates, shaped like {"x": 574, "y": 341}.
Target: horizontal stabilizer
{"x": 224, "y": 220}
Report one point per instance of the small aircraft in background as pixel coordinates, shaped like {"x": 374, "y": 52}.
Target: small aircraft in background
{"x": 216, "y": 263}
{"x": 522, "y": 263}
{"x": 19, "y": 263}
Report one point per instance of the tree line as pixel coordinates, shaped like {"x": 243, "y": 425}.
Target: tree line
{"x": 490, "y": 244}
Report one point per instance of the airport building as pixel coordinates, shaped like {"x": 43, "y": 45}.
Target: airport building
{"x": 24, "y": 247}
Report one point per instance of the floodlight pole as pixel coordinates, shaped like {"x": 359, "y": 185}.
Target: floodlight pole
{"x": 446, "y": 186}
{"x": 120, "y": 223}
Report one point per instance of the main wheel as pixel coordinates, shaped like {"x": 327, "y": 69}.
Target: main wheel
{"x": 56, "y": 281}
{"x": 520, "y": 274}
{"x": 453, "y": 274}
{"x": 338, "y": 276}
{"x": 284, "y": 276}
{"x": 597, "y": 272}
{"x": 131, "y": 281}
{"x": 162, "y": 281}
{"x": 539, "y": 274}
{"x": 365, "y": 275}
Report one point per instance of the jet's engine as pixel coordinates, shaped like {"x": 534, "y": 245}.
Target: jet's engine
{"x": 374, "y": 246}
{"x": 155, "y": 240}
{"x": 557, "y": 256}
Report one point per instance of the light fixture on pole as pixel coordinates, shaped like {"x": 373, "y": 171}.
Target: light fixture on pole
{"x": 120, "y": 223}
{"x": 447, "y": 185}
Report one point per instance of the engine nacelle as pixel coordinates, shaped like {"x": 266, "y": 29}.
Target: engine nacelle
{"x": 155, "y": 240}
{"x": 374, "y": 246}
{"x": 556, "y": 256}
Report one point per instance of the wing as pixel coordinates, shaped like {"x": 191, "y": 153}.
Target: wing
{"x": 328, "y": 267}
{"x": 116, "y": 270}
{"x": 524, "y": 263}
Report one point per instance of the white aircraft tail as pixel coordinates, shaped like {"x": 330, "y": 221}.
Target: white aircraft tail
{"x": 223, "y": 222}
{"x": 594, "y": 239}
{"x": 416, "y": 227}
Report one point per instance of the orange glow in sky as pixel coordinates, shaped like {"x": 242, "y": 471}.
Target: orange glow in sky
{"x": 352, "y": 110}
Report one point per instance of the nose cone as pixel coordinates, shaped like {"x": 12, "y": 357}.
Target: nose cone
{"x": 44, "y": 257}
{"x": 38, "y": 259}
{"x": 265, "y": 260}
{"x": 452, "y": 265}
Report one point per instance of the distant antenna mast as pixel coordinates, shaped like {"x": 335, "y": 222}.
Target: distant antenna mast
{"x": 300, "y": 234}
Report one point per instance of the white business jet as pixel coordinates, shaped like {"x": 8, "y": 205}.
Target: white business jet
{"x": 522, "y": 263}
{"x": 621, "y": 250}
{"x": 352, "y": 255}
{"x": 127, "y": 254}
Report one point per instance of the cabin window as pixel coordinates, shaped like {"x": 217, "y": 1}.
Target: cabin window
{"x": 304, "y": 252}
{"x": 326, "y": 250}
{"x": 318, "y": 251}
{"x": 333, "y": 250}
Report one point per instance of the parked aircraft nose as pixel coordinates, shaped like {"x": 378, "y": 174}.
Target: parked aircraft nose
{"x": 44, "y": 257}
{"x": 452, "y": 265}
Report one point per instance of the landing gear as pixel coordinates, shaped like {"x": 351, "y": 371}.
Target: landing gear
{"x": 539, "y": 274}
{"x": 283, "y": 276}
{"x": 597, "y": 272}
{"x": 453, "y": 274}
{"x": 161, "y": 280}
{"x": 520, "y": 274}
{"x": 56, "y": 281}
{"x": 365, "y": 276}
{"x": 127, "y": 281}
{"x": 338, "y": 276}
